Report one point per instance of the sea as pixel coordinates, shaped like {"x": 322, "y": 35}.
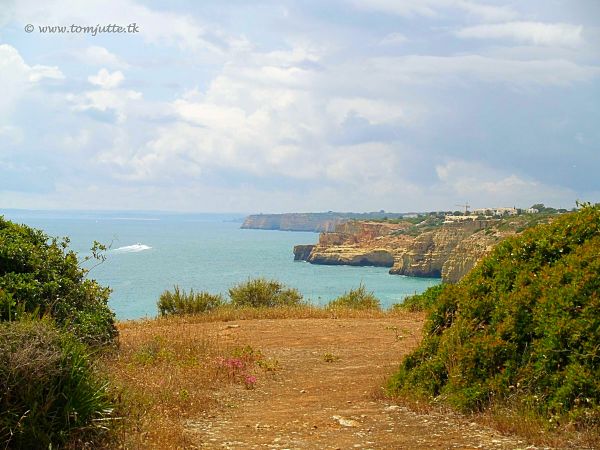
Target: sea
{"x": 151, "y": 252}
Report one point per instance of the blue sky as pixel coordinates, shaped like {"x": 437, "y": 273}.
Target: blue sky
{"x": 275, "y": 106}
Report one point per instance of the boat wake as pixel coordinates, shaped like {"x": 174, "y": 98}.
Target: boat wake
{"x": 135, "y": 248}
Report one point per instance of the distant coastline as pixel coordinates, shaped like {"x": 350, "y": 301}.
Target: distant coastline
{"x": 316, "y": 222}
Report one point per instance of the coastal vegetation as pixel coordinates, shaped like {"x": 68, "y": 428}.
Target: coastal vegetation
{"x": 519, "y": 333}
{"x": 53, "y": 319}
{"x": 260, "y": 292}
{"x": 358, "y": 298}
{"x": 259, "y": 296}
{"x": 51, "y": 393}
{"x": 181, "y": 302}
{"x": 41, "y": 276}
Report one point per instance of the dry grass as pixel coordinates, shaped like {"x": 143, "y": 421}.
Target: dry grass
{"x": 166, "y": 368}
{"x": 509, "y": 420}
{"x": 228, "y": 312}
{"x": 163, "y": 372}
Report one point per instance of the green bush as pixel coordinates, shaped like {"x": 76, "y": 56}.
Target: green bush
{"x": 50, "y": 394}
{"x": 260, "y": 292}
{"x": 522, "y": 328}
{"x": 181, "y": 302}
{"x": 357, "y": 298}
{"x": 38, "y": 274}
{"x": 423, "y": 301}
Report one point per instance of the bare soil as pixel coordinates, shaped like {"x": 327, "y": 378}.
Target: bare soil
{"x": 327, "y": 392}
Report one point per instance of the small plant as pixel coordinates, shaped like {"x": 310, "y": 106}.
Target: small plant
{"x": 357, "y": 298}
{"x": 250, "y": 381}
{"x": 330, "y": 357}
{"x": 152, "y": 351}
{"x": 268, "y": 364}
{"x": 264, "y": 293}
{"x": 181, "y": 302}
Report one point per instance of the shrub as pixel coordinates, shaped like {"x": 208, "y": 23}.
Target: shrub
{"x": 423, "y": 301}
{"x": 260, "y": 292}
{"x": 38, "y": 274}
{"x": 522, "y": 327}
{"x": 50, "y": 393}
{"x": 181, "y": 302}
{"x": 357, "y": 298}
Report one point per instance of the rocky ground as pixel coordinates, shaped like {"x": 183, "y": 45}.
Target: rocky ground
{"x": 326, "y": 392}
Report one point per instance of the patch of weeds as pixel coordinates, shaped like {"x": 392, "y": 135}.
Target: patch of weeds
{"x": 397, "y": 332}
{"x": 268, "y": 364}
{"x": 358, "y": 298}
{"x": 152, "y": 351}
{"x": 330, "y": 357}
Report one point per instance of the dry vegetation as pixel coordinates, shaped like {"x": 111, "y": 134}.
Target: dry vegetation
{"x": 166, "y": 368}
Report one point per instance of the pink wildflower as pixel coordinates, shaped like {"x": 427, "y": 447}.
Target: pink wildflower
{"x": 250, "y": 381}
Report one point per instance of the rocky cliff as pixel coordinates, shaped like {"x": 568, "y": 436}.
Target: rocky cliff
{"x": 292, "y": 222}
{"x": 449, "y": 251}
{"x": 319, "y": 222}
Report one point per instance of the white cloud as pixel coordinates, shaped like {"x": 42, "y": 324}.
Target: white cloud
{"x": 486, "y": 12}
{"x": 11, "y": 134}
{"x": 16, "y": 76}
{"x": 100, "y": 56}
{"x": 458, "y": 69}
{"x": 11, "y": 61}
{"x": 375, "y": 111}
{"x": 433, "y": 8}
{"x": 394, "y": 39}
{"x": 483, "y": 186}
{"x": 107, "y": 80}
{"x": 119, "y": 101}
{"x": 536, "y": 33}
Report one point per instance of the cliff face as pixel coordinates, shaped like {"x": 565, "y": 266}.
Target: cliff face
{"x": 356, "y": 244}
{"x": 428, "y": 253}
{"x": 292, "y": 222}
{"x": 320, "y": 222}
{"x": 449, "y": 251}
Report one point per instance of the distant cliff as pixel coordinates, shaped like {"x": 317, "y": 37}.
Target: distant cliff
{"x": 318, "y": 222}
{"x": 449, "y": 250}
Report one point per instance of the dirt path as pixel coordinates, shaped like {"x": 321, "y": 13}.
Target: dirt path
{"x": 326, "y": 393}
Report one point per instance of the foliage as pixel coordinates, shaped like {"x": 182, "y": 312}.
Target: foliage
{"x": 357, "y": 298}
{"x": 522, "y": 328}
{"x": 50, "y": 393}
{"x": 182, "y": 302}
{"x": 261, "y": 292}
{"x": 38, "y": 274}
{"x": 423, "y": 301}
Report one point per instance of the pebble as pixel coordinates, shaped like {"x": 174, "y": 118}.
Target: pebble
{"x": 345, "y": 422}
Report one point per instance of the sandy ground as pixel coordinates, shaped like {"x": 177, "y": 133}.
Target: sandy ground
{"x": 327, "y": 392}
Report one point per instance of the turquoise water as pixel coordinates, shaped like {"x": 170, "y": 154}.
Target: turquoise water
{"x": 153, "y": 252}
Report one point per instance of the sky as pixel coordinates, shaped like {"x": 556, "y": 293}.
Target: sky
{"x": 282, "y": 106}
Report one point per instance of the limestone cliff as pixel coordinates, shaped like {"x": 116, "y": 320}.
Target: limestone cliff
{"x": 449, "y": 251}
{"x": 357, "y": 243}
{"x": 292, "y": 222}
{"x": 427, "y": 254}
{"x": 319, "y": 222}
